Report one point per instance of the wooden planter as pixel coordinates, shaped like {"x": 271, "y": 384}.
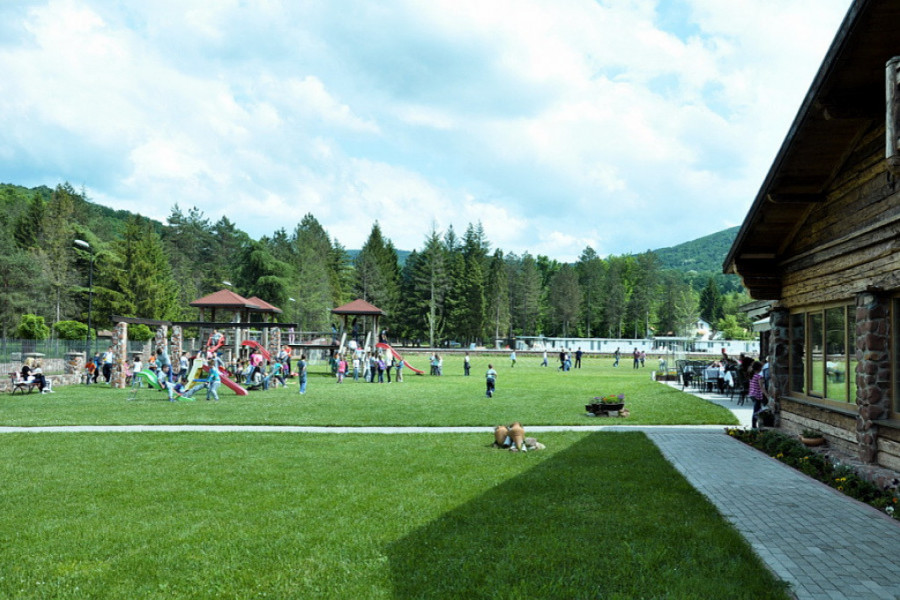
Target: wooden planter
{"x": 816, "y": 441}
{"x": 598, "y": 408}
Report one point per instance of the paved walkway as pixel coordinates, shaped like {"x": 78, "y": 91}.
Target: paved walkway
{"x": 824, "y": 544}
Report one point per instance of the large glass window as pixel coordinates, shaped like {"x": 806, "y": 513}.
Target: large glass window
{"x": 823, "y": 353}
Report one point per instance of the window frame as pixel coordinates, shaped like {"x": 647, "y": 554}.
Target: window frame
{"x": 810, "y": 377}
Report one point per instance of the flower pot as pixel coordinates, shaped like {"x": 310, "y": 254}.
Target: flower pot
{"x": 612, "y": 407}
{"x": 816, "y": 441}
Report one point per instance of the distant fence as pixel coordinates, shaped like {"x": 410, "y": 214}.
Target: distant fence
{"x": 15, "y": 350}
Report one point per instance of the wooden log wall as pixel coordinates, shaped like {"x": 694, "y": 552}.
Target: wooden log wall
{"x": 851, "y": 241}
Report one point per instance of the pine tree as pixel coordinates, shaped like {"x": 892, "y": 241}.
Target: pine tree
{"x": 591, "y": 271}
{"x": 497, "y": 296}
{"x": 565, "y": 298}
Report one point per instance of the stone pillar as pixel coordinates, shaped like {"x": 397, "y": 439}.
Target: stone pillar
{"x": 177, "y": 344}
{"x": 779, "y": 359}
{"x": 275, "y": 340}
{"x": 873, "y": 370}
{"x": 74, "y": 363}
{"x": 120, "y": 355}
{"x": 161, "y": 341}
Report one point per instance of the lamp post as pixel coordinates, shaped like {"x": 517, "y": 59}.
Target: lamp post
{"x": 84, "y": 245}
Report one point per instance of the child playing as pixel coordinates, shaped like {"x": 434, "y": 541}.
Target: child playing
{"x": 341, "y": 370}
{"x": 490, "y": 378}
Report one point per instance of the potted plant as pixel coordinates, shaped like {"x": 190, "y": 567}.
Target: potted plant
{"x": 606, "y": 404}
{"x": 811, "y": 437}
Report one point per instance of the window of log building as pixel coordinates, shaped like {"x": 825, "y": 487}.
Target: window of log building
{"x": 823, "y": 355}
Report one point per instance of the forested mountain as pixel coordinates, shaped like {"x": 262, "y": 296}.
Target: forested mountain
{"x": 451, "y": 288}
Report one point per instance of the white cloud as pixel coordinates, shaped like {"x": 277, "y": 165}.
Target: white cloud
{"x": 557, "y": 125}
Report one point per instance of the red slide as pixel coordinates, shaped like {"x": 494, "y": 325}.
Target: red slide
{"x": 400, "y": 358}
{"x": 227, "y": 382}
{"x": 257, "y": 346}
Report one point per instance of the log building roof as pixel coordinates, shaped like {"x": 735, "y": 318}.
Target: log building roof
{"x": 845, "y": 98}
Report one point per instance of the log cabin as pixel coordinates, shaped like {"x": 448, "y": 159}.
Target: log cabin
{"x": 820, "y": 242}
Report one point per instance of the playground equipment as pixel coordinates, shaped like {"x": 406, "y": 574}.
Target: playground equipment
{"x": 396, "y": 355}
{"x": 257, "y": 346}
{"x": 227, "y": 381}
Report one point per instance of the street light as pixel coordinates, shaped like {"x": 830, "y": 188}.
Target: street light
{"x": 84, "y": 245}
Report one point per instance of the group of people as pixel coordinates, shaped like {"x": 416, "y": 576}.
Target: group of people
{"x": 33, "y": 373}
{"x": 371, "y": 367}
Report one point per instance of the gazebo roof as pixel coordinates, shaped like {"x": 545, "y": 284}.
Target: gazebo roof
{"x": 224, "y": 299}
{"x": 264, "y": 306}
{"x": 357, "y": 307}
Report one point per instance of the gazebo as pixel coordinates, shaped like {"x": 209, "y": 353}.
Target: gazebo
{"x": 359, "y": 308}
{"x": 241, "y": 310}
{"x": 225, "y": 300}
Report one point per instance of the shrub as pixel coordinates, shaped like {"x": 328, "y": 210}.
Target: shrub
{"x": 32, "y": 327}
{"x": 70, "y": 330}
{"x": 140, "y": 332}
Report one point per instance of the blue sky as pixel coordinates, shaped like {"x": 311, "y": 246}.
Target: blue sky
{"x": 623, "y": 125}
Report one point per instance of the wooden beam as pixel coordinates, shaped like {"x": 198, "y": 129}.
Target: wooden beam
{"x": 778, "y": 198}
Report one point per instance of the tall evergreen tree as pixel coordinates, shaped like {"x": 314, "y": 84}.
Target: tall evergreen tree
{"x": 140, "y": 278}
{"x": 565, "y": 298}
{"x": 55, "y": 252}
{"x": 497, "y": 296}
{"x": 616, "y": 299}
{"x": 711, "y": 303}
{"x": 431, "y": 285}
{"x": 591, "y": 271}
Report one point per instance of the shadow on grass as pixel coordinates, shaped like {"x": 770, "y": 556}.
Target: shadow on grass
{"x": 607, "y": 517}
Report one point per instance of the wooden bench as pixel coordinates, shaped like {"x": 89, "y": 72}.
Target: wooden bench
{"x": 20, "y": 385}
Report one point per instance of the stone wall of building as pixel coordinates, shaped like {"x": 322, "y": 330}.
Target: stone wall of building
{"x": 873, "y": 371}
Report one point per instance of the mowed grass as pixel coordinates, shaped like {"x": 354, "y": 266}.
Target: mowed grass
{"x": 529, "y": 393}
{"x": 276, "y": 515}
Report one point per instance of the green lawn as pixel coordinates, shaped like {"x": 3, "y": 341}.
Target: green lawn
{"x": 528, "y": 392}
{"x": 275, "y": 515}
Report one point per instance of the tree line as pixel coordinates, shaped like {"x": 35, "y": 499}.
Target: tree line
{"x": 452, "y": 288}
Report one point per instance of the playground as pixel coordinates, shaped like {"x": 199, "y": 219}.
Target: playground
{"x": 528, "y": 393}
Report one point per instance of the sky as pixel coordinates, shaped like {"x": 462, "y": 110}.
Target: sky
{"x": 623, "y": 125}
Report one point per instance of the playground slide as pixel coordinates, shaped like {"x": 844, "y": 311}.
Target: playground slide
{"x": 227, "y": 382}
{"x": 257, "y": 346}
{"x": 196, "y": 367}
{"x": 150, "y": 377}
{"x": 400, "y": 358}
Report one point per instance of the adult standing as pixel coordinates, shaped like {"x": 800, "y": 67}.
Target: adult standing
{"x": 578, "y": 354}
{"x": 544, "y": 363}
{"x": 636, "y": 356}
{"x": 512, "y": 358}
{"x": 467, "y": 364}
{"x": 108, "y": 357}
{"x": 616, "y": 355}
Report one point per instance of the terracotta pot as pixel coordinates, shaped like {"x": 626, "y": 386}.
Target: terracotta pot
{"x": 816, "y": 441}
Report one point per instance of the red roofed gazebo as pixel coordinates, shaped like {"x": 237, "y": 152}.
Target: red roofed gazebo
{"x": 359, "y": 308}
{"x": 264, "y": 307}
{"x": 225, "y": 300}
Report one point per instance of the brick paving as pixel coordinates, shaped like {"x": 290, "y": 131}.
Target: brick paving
{"x": 824, "y": 544}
